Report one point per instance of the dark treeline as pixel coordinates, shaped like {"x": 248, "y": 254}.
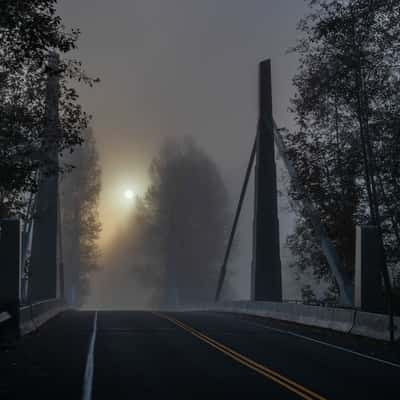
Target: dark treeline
{"x": 80, "y": 190}
{"x": 33, "y": 51}
{"x": 345, "y": 150}
{"x": 174, "y": 240}
{"x": 30, "y": 32}
{"x": 347, "y": 145}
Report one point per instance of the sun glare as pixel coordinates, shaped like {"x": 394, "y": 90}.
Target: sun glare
{"x": 128, "y": 194}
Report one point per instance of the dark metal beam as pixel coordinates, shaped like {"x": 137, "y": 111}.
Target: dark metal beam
{"x": 44, "y": 269}
{"x": 222, "y": 273}
{"x": 266, "y": 273}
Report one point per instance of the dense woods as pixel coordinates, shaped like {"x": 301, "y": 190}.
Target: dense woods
{"x": 346, "y": 146}
{"x": 41, "y": 118}
{"x": 30, "y": 33}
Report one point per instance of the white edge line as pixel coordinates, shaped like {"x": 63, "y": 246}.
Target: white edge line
{"x": 88, "y": 378}
{"x": 327, "y": 344}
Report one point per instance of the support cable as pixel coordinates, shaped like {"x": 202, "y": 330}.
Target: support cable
{"x": 312, "y": 215}
{"x": 346, "y": 290}
{"x": 235, "y": 221}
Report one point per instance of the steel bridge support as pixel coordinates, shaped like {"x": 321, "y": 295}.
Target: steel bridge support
{"x": 266, "y": 266}
{"x": 44, "y": 272}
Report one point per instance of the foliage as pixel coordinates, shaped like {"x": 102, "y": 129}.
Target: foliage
{"x": 80, "y": 217}
{"x": 30, "y": 32}
{"x": 347, "y": 108}
{"x": 179, "y": 229}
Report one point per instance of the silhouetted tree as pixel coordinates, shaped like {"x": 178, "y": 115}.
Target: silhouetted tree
{"x": 29, "y": 32}
{"x": 347, "y": 108}
{"x": 183, "y": 221}
{"x": 80, "y": 218}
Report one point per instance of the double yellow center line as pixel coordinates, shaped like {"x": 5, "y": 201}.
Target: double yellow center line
{"x": 281, "y": 380}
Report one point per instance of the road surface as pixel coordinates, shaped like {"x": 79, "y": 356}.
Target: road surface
{"x": 144, "y": 355}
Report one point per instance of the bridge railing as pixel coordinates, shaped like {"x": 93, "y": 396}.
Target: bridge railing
{"x": 19, "y": 315}
{"x": 344, "y": 320}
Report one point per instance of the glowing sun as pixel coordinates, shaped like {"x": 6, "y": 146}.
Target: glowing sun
{"x": 128, "y": 194}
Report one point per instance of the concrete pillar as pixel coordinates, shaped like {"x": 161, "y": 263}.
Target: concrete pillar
{"x": 10, "y": 268}
{"x": 369, "y": 295}
{"x": 266, "y": 266}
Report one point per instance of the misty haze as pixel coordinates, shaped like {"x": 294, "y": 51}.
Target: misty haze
{"x": 199, "y": 197}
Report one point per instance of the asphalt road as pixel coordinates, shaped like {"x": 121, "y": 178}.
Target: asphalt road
{"x": 143, "y": 355}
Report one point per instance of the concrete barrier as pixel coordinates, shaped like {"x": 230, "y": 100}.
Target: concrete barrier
{"x": 375, "y": 326}
{"x": 35, "y": 315}
{"x": 338, "y": 319}
{"x": 324, "y": 317}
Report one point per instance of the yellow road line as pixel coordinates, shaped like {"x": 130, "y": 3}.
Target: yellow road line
{"x": 261, "y": 369}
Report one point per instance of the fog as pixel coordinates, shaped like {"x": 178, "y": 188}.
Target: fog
{"x": 175, "y": 68}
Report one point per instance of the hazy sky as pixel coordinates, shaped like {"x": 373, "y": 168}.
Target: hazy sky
{"x": 178, "y": 67}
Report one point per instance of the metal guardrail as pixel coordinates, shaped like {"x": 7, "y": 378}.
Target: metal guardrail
{"x": 327, "y": 304}
{"x": 15, "y": 320}
{"x": 33, "y": 315}
{"x": 349, "y": 321}
{"x": 319, "y": 303}
{"x": 41, "y": 307}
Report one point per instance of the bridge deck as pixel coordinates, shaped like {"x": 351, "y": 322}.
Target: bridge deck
{"x": 174, "y": 355}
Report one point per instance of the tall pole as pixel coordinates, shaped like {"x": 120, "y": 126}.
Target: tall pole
{"x": 266, "y": 268}
{"x": 44, "y": 269}
{"x": 60, "y": 257}
{"x": 370, "y": 166}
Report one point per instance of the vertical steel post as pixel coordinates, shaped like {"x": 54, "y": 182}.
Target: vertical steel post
{"x": 369, "y": 294}
{"x": 266, "y": 274}
{"x": 44, "y": 274}
{"x": 60, "y": 248}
